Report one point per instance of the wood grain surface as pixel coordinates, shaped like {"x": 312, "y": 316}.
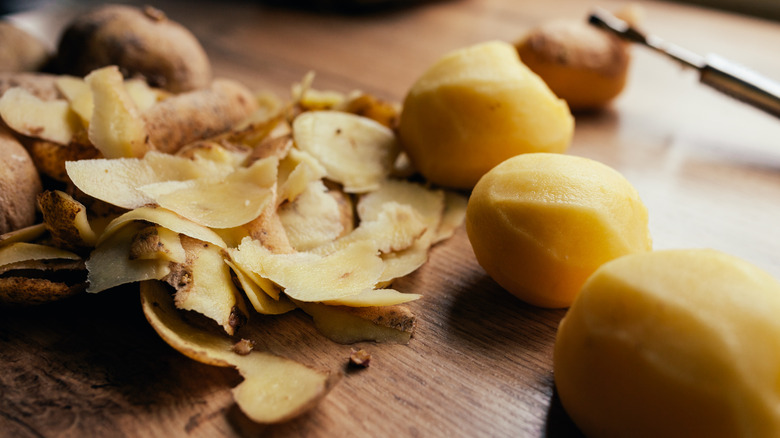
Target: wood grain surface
{"x": 480, "y": 363}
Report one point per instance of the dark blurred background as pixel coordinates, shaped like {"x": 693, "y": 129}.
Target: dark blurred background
{"x": 769, "y": 9}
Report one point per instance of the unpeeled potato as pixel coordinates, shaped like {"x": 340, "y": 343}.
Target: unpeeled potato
{"x": 586, "y": 66}
{"x": 19, "y": 185}
{"x": 19, "y": 50}
{"x": 141, "y": 42}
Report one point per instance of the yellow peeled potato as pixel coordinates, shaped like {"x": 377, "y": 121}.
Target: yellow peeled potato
{"x": 476, "y": 107}
{"x": 674, "y": 343}
{"x": 540, "y": 224}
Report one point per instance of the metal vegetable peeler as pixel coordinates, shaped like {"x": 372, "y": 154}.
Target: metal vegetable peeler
{"x": 714, "y": 71}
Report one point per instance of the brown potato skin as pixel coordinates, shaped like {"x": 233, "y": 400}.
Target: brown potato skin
{"x": 141, "y": 42}
{"x": 20, "y": 51}
{"x": 198, "y": 115}
{"x": 585, "y": 66}
{"x": 19, "y": 184}
{"x": 41, "y": 85}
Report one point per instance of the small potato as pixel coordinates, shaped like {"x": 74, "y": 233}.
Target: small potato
{"x": 540, "y": 224}
{"x": 141, "y": 42}
{"x": 476, "y": 107}
{"x": 20, "y": 51}
{"x": 19, "y": 185}
{"x": 583, "y": 65}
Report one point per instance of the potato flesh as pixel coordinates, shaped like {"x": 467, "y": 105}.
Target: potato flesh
{"x": 642, "y": 346}
{"x": 476, "y": 107}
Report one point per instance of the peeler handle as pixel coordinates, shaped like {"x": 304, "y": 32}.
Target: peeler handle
{"x": 741, "y": 83}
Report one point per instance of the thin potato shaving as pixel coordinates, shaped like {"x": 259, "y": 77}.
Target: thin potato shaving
{"x": 347, "y": 325}
{"x": 236, "y": 200}
{"x": 310, "y": 277}
{"x": 50, "y": 120}
{"x": 261, "y": 300}
{"x": 374, "y": 298}
{"x": 166, "y": 219}
{"x": 109, "y": 264}
{"x": 274, "y": 389}
{"x": 117, "y": 181}
{"x": 116, "y": 128}
{"x": 356, "y": 151}
{"x": 216, "y": 199}
{"x": 203, "y": 284}
{"x": 23, "y": 251}
{"x": 312, "y": 219}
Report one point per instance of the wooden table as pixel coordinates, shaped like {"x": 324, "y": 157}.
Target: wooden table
{"x": 480, "y": 363}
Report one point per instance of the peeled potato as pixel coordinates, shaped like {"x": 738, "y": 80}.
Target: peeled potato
{"x": 476, "y": 107}
{"x": 674, "y": 343}
{"x": 540, "y": 224}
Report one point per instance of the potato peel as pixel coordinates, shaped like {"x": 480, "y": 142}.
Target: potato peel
{"x": 312, "y": 219}
{"x": 66, "y": 219}
{"x": 356, "y": 151}
{"x": 28, "y": 115}
{"x": 115, "y": 126}
{"x": 261, "y": 301}
{"x": 274, "y": 389}
{"x": 311, "y": 277}
{"x": 23, "y": 251}
{"x": 375, "y": 298}
{"x": 203, "y": 284}
{"x": 347, "y": 325}
{"x": 109, "y": 266}
{"x": 116, "y": 181}
{"x": 236, "y": 200}
{"x": 164, "y": 218}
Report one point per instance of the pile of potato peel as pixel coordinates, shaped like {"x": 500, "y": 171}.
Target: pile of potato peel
{"x": 225, "y": 203}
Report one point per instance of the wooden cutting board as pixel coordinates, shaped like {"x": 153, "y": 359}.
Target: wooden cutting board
{"x": 480, "y": 363}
